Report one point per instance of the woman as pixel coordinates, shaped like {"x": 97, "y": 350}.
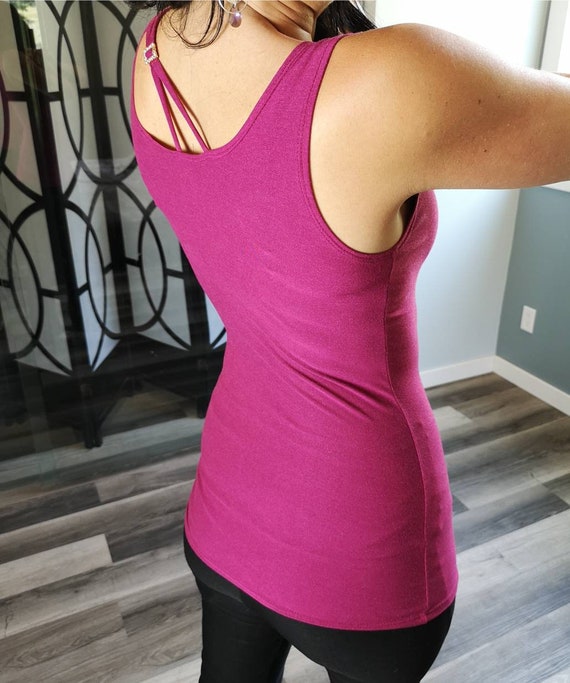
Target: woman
{"x": 298, "y": 176}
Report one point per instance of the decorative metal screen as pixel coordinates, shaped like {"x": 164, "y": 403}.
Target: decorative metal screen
{"x": 94, "y": 288}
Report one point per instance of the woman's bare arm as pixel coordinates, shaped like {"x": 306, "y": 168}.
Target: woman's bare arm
{"x": 454, "y": 115}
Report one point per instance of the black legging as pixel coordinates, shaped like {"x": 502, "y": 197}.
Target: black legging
{"x": 245, "y": 642}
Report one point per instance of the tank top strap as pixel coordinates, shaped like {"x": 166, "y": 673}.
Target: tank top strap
{"x": 286, "y": 112}
{"x": 164, "y": 85}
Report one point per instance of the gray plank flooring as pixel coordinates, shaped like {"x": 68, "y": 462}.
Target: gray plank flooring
{"x": 94, "y": 586}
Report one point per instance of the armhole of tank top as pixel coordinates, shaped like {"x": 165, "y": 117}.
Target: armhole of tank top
{"x": 306, "y": 178}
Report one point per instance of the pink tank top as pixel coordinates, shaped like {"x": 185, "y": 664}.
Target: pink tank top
{"x": 322, "y": 489}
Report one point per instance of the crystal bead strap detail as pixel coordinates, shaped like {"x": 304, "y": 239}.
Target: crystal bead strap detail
{"x": 150, "y": 53}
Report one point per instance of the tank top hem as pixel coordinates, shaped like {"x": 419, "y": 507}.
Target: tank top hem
{"x": 349, "y": 625}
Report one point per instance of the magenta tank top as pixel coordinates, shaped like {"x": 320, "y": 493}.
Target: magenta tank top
{"x": 321, "y": 489}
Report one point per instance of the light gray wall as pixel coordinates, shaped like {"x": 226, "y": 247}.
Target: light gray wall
{"x": 461, "y": 285}
{"x": 539, "y": 276}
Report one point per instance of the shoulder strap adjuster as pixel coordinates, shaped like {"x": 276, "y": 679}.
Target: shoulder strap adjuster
{"x": 150, "y": 53}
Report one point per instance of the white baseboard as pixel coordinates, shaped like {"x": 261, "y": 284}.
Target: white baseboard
{"x": 535, "y": 386}
{"x": 453, "y": 373}
{"x": 521, "y": 378}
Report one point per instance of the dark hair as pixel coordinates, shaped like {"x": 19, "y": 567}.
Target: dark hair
{"x": 341, "y": 16}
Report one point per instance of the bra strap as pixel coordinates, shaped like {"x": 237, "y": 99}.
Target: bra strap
{"x": 163, "y": 83}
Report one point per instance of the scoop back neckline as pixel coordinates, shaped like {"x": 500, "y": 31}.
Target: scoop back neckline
{"x": 222, "y": 149}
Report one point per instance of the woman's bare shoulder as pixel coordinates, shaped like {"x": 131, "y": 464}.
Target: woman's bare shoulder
{"x": 400, "y": 58}
{"x": 365, "y": 90}
{"x": 449, "y": 113}
{"x": 391, "y": 46}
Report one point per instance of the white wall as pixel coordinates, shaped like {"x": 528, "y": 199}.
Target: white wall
{"x": 461, "y": 286}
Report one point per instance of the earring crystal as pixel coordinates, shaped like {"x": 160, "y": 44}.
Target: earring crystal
{"x": 235, "y": 12}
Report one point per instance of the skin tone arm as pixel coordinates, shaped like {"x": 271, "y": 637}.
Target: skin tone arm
{"x": 455, "y": 116}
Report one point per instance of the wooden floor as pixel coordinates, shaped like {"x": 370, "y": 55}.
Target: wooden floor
{"x": 94, "y": 586}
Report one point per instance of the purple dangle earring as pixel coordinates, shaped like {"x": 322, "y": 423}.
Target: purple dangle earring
{"x": 235, "y": 12}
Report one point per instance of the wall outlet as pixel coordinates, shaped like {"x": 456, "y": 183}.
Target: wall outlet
{"x": 527, "y": 319}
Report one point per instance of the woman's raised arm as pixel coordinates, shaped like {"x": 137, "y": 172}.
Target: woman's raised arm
{"x": 456, "y": 116}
